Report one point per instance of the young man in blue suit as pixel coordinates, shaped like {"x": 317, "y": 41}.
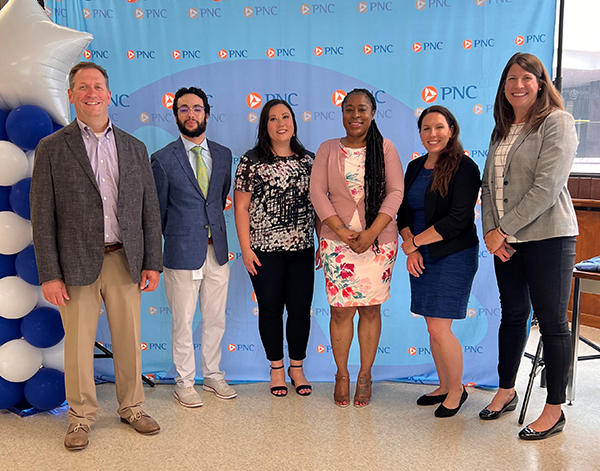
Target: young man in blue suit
{"x": 193, "y": 178}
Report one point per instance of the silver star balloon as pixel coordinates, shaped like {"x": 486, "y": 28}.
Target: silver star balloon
{"x": 35, "y": 59}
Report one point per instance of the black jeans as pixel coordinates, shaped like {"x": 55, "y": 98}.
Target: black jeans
{"x": 539, "y": 274}
{"x": 284, "y": 279}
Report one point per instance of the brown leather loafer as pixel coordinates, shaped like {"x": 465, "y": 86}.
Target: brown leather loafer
{"x": 142, "y": 423}
{"x": 77, "y": 437}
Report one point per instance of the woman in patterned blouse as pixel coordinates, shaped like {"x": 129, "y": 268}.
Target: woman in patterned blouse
{"x": 275, "y": 223}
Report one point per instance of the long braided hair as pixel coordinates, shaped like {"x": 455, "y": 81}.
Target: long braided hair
{"x": 374, "y": 183}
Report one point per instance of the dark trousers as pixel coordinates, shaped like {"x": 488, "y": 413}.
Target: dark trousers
{"x": 539, "y": 274}
{"x": 284, "y": 279}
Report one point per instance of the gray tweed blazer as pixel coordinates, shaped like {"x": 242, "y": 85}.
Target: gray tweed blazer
{"x": 537, "y": 204}
{"x": 67, "y": 215}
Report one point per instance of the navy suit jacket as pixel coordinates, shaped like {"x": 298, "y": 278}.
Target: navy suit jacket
{"x": 185, "y": 213}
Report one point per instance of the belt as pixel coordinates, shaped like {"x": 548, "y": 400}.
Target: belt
{"x": 113, "y": 247}
{"x": 210, "y": 240}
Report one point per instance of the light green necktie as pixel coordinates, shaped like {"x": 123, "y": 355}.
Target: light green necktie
{"x": 201, "y": 174}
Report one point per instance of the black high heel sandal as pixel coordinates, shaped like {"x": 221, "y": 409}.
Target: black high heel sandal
{"x": 300, "y": 387}
{"x": 279, "y": 388}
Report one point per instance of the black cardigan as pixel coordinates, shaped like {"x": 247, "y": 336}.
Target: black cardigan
{"x": 452, "y": 216}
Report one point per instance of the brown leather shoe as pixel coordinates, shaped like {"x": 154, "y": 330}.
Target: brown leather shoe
{"x": 142, "y": 423}
{"x": 77, "y": 437}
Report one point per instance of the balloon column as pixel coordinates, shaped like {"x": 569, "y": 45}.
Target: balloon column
{"x": 33, "y": 85}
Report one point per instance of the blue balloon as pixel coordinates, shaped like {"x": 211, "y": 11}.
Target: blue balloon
{"x": 19, "y": 198}
{"x": 7, "y": 265}
{"x": 42, "y": 327}
{"x": 10, "y": 393}
{"x": 26, "y": 266}
{"x": 3, "y": 135}
{"x": 46, "y": 389}
{"x": 27, "y": 125}
{"x": 5, "y": 198}
{"x": 10, "y": 329}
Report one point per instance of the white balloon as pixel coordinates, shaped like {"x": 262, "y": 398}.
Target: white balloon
{"x": 19, "y": 360}
{"x": 13, "y": 163}
{"x": 15, "y": 233}
{"x": 54, "y": 357}
{"x": 35, "y": 67}
{"x": 41, "y": 301}
{"x": 17, "y": 297}
{"x": 30, "y": 158}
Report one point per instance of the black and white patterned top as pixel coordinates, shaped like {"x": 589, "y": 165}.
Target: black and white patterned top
{"x": 281, "y": 214}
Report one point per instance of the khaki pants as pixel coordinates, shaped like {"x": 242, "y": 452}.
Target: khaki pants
{"x": 122, "y": 300}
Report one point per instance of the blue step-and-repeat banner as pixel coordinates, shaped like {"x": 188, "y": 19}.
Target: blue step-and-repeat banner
{"x": 411, "y": 54}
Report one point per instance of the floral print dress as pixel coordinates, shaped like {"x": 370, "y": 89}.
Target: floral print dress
{"x": 353, "y": 279}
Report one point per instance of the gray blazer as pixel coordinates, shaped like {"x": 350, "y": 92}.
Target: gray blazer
{"x": 537, "y": 204}
{"x": 67, "y": 215}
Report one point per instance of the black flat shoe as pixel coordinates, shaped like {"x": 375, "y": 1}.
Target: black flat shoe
{"x": 443, "y": 411}
{"x": 278, "y": 388}
{"x": 487, "y": 414}
{"x": 529, "y": 434}
{"x": 301, "y": 386}
{"x": 426, "y": 400}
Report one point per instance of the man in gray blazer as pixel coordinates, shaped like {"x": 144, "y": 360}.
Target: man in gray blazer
{"x": 96, "y": 233}
{"x": 193, "y": 178}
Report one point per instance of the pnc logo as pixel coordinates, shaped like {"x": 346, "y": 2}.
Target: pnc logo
{"x": 48, "y": 11}
{"x": 412, "y": 351}
{"x": 87, "y": 54}
{"x": 519, "y": 40}
{"x": 318, "y": 51}
{"x": 176, "y": 54}
{"x": 468, "y": 154}
{"x": 479, "y": 3}
{"x": 270, "y": 53}
{"x": 144, "y": 346}
{"x": 320, "y": 349}
{"x": 230, "y": 256}
{"x": 304, "y": 9}
{"x": 151, "y": 377}
{"x": 252, "y": 118}
{"x": 467, "y": 44}
{"x": 367, "y": 49}
{"x": 87, "y": 13}
{"x": 416, "y": 316}
{"x": 478, "y": 109}
{"x": 130, "y": 54}
{"x": 337, "y": 97}
{"x": 138, "y": 13}
{"x": 144, "y": 117}
{"x": 167, "y": 100}
{"x": 429, "y": 94}
{"x": 471, "y": 312}
{"x": 416, "y": 47}
{"x": 248, "y": 12}
{"x": 152, "y": 310}
{"x": 362, "y": 7}
{"x": 222, "y": 54}
{"x": 231, "y": 347}
{"x": 254, "y": 297}
{"x": 193, "y": 13}
{"x": 420, "y": 4}
{"x": 307, "y": 116}
{"x": 418, "y": 112}
{"x": 253, "y": 100}
{"x": 228, "y": 203}
{"x": 414, "y": 155}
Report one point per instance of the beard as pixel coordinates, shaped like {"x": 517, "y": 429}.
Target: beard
{"x": 198, "y": 131}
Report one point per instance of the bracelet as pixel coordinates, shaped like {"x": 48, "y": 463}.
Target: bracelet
{"x": 414, "y": 243}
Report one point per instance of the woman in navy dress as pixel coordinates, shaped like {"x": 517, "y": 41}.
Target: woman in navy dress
{"x": 437, "y": 224}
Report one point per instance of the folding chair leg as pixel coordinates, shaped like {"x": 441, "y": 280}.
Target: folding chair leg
{"x": 537, "y": 361}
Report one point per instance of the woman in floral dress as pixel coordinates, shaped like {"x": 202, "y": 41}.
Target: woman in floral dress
{"x": 356, "y": 189}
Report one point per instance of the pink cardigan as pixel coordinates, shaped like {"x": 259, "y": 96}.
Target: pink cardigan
{"x": 330, "y": 195}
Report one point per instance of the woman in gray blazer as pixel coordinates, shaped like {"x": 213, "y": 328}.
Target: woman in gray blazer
{"x": 530, "y": 226}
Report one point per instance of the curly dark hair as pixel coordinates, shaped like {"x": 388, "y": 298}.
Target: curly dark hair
{"x": 450, "y": 158}
{"x": 194, "y": 91}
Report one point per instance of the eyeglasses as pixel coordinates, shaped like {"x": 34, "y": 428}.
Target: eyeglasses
{"x": 196, "y": 109}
